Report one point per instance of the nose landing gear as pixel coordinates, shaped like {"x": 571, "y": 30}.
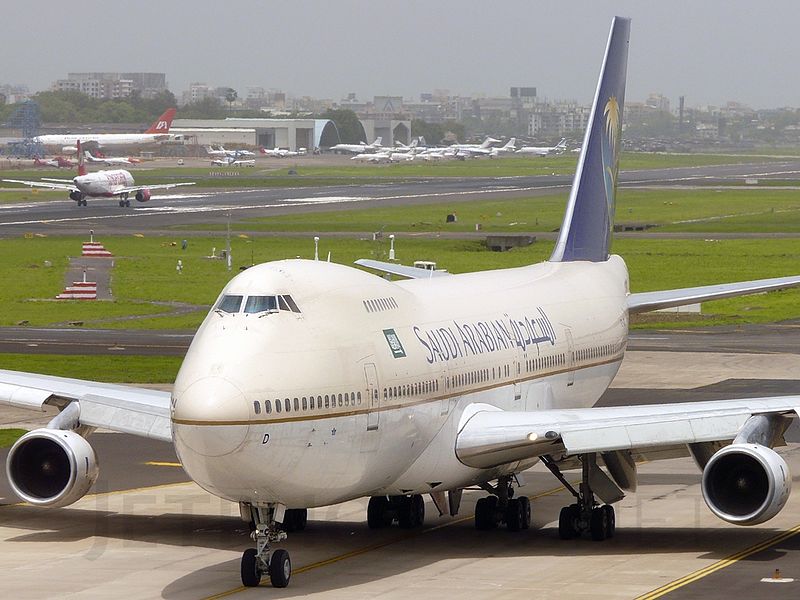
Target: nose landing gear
{"x": 259, "y": 561}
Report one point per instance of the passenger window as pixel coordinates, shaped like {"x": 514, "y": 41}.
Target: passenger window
{"x": 340, "y": 399}
{"x": 257, "y": 304}
{"x": 347, "y": 399}
{"x": 296, "y": 404}
{"x": 305, "y": 403}
{"x": 327, "y": 404}
{"x": 359, "y": 396}
{"x": 287, "y": 405}
{"x": 257, "y": 407}
{"x": 278, "y": 405}
{"x": 267, "y": 406}
{"x": 230, "y": 304}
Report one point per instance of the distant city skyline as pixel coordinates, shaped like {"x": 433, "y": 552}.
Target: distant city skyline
{"x": 711, "y": 52}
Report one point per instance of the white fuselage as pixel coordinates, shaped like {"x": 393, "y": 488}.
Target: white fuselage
{"x": 373, "y": 378}
{"x": 103, "y": 183}
{"x": 102, "y": 139}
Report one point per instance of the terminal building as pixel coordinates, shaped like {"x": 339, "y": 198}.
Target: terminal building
{"x": 291, "y": 134}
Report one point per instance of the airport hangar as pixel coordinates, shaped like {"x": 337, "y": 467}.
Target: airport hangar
{"x": 285, "y": 133}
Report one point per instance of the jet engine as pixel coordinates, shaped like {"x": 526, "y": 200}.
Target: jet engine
{"x": 143, "y": 195}
{"x": 746, "y": 484}
{"x": 51, "y": 467}
{"x": 75, "y": 195}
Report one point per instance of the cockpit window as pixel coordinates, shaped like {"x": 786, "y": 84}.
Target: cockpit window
{"x": 230, "y": 304}
{"x": 282, "y": 303}
{"x": 291, "y": 304}
{"x": 257, "y": 304}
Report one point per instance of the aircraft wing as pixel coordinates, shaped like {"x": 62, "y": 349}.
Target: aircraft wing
{"x": 122, "y": 408}
{"x": 50, "y": 185}
{"x": 402, "y": 270}
{"x": 490, "y": 436}
{"x": 647, "y": 301}
{"x": 160, "y": 186}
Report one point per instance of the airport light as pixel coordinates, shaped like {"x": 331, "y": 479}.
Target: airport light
{"x": 391, "y": 247}
{"x": 316, "y": 247}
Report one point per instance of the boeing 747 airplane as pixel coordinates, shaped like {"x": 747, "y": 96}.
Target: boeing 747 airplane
{"x": 311, "y": 383}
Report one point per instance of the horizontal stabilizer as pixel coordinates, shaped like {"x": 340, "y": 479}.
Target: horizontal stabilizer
{"x": 646, "y": 301}
{"x": 403, "y": 271}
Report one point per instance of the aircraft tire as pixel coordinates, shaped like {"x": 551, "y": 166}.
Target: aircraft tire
{"x": 378, "y": 512}
{"x": 566, "y": 522}
{"x": 280, "y": 568}
{"x": 598, "y": 524}
{"x": 251, "y": 575}
{"x": 485, "y": 518}
{"x": 514, "y": 516}
{"x": 526, "y": 511}
{"x": 612, "y": 520}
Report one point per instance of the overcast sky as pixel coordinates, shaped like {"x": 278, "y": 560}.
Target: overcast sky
{"x": 710, "y": 51}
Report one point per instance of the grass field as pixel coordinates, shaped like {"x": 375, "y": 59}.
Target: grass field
{"x": 743, "y": 209}
{"x": 145, "y": 272}
{"x": 111, "y": 369}
{"x": 9, "y": 436}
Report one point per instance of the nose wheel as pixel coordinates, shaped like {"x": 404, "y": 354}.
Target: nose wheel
{"x": 260, "y": 561}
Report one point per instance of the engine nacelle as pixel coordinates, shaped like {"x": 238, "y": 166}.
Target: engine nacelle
{"x": 142, "y": 195}
{"x": 746, "y": 484}
{"x": 75, "y": 195}
{"x": 51, "y": 467}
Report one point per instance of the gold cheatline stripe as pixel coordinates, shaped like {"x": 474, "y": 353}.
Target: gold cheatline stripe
{"x": 362, "y": 411}
{"x": 360, "y": 551}
{"x": 721, "y": 564}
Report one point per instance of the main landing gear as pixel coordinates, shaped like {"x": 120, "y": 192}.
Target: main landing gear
{"x": 408, "y": 511}
{"x": 124, "y": 201}
{"x": 586, "y": 515}
{"x": 260, "y": 561}
{"x": 501, "y": 508}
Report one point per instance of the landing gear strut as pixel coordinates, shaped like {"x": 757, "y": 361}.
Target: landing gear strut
{"x": 124, "y": 201}
{"x": 586, "y": 515}
{"x": 260, "y": 561}
{"x": 408, "y": 511}
{"x": 502, "y": 508}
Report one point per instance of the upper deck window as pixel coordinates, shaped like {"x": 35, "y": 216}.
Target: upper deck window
{"x": 230, "y": 304}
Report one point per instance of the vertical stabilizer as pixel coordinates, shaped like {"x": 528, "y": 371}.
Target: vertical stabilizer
{"x": 163, "y": 123}
{"x": 589, "y": 220}
{"x": 81, "y": 165}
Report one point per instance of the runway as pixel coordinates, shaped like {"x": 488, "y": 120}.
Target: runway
{"x": 769, "y": 338}
{"x": 197, "y": 206}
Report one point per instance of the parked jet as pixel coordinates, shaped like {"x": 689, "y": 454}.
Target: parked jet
{"x": 58, "y": 162}
{"x": 117, "y": 183}
{"x": 110, "y": 160}
{"x": 475, "y": 150}
{"x": 361, "y": 148}
{"x": 221, "y": 151}
{"x": 282, "y": 152}
{"x": 158, "y": 132}
{"x": 311, "y": 383}
{"x": 508, "y": 148}
{"x": 559, "y": 148}
{"x": 231, "y": 161}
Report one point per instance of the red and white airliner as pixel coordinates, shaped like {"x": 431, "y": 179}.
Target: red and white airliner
{"x": 157, "y": 132}
{"x": 115, "y": 183}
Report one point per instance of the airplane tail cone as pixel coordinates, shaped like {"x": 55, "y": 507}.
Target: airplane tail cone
{"x": 589, "y": 220}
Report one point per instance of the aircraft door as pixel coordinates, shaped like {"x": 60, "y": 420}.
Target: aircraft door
{"x": 373, "y": 397}
{"x": 570, "y": 358}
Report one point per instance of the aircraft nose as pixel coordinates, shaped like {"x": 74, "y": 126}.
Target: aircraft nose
{"x": 210, "y": 417}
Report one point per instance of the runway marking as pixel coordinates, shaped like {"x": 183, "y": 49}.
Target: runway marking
{"x": 378, "y": 546}
{"x": 721, "y": 564}
{"x": 157, "y": 463}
